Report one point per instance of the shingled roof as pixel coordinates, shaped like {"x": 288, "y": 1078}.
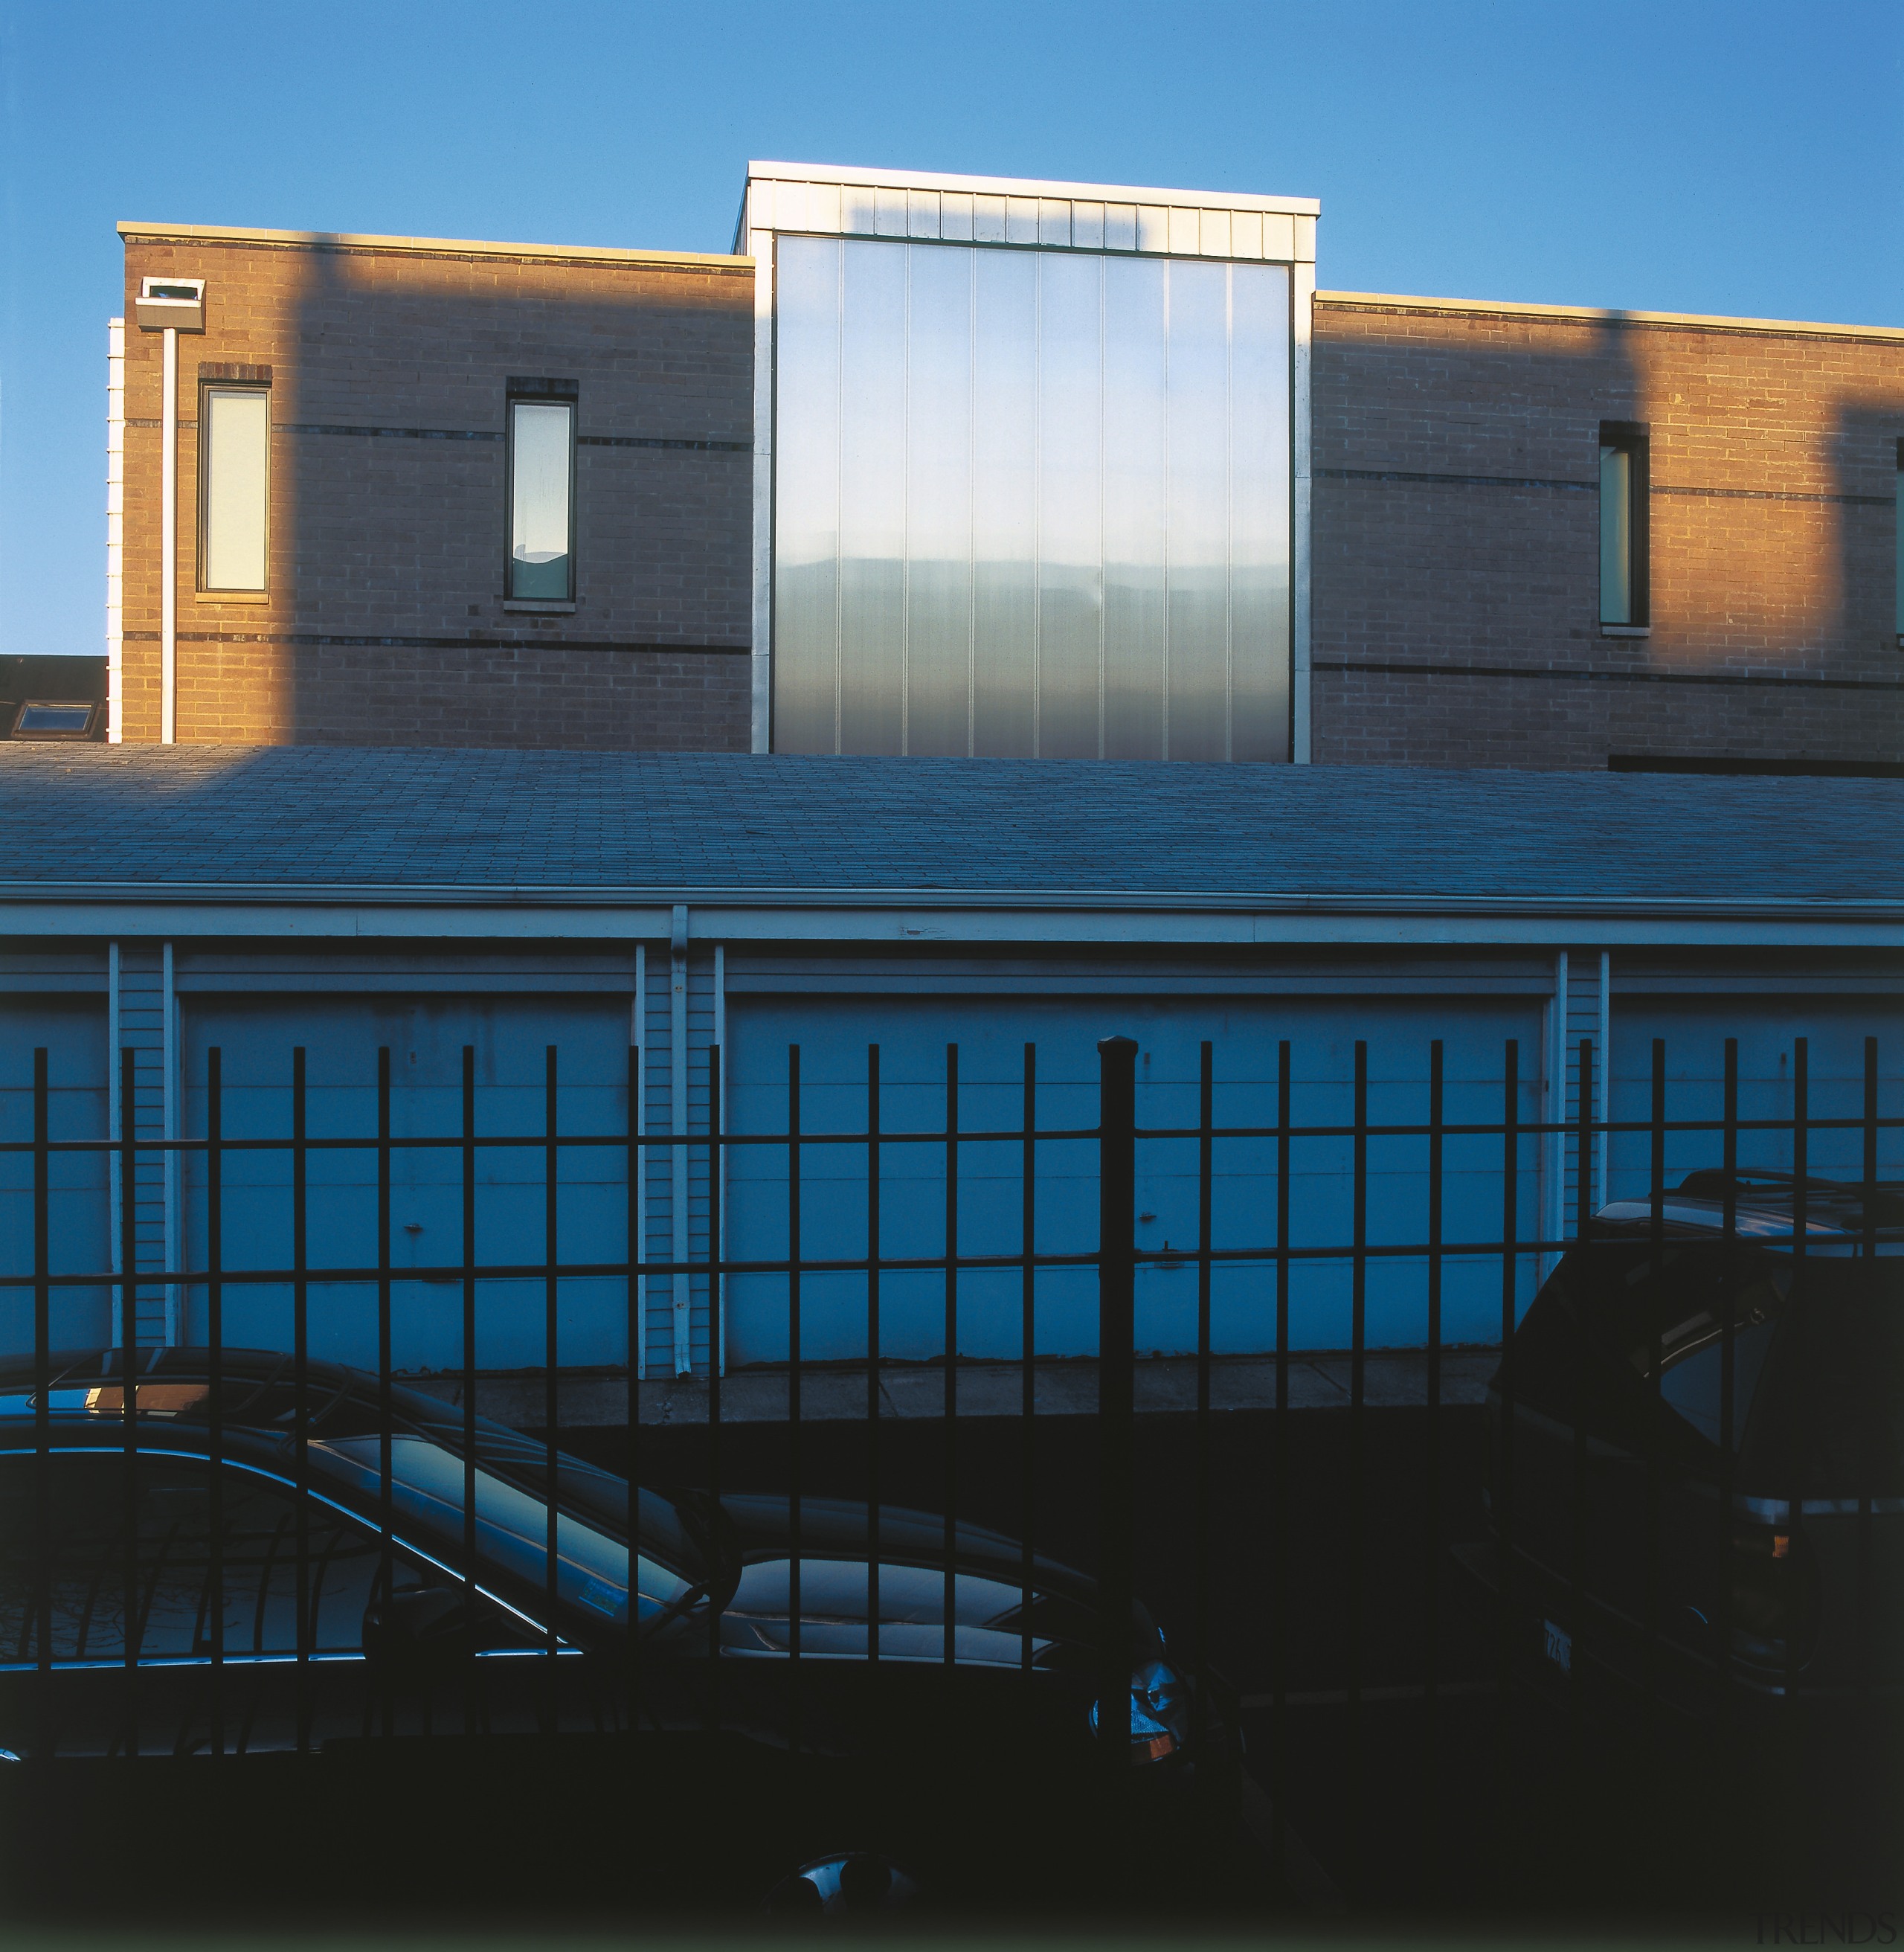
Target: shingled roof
{"x": 327, "y": 819}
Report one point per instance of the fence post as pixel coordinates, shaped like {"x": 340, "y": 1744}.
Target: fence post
{"x": 1117, "y": 1325}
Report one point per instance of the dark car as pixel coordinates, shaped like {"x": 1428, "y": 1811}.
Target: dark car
{"x": 1610, "y": 1529}
{"x": 267, "y": 1571}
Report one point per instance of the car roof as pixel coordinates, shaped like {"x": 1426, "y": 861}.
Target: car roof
{"x": 255, "y": 1383}
{"x": 1765, "y": 1206}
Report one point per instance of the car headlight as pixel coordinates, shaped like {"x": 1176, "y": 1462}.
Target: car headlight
{"x": 1159, "y": 1705}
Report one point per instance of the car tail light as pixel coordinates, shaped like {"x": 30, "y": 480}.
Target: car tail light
{"x": 1774, "y": 1596}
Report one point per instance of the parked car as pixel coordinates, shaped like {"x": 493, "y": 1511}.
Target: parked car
{"x": 312, "y": 1577}
{"x": 1606, "y": 1510}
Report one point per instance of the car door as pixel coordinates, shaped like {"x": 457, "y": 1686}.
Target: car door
{"x": 218, "y": 1570}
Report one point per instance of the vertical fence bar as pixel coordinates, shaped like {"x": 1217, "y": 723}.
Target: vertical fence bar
{"x": 1431, "y": 1475}
{"x": 1582, "y": 1455}
{"x": 470, "y": 1722}
{"x": 300, "y": 1384}
{"x": 1280, "y": 1464}
{"x": 1655, "y": 1364}
{"x": 215, "y": 1380}
{"x": 1205, "y": 1143}
{"x": 1116, "y": 1319}
{"x": 1504, "y": 1492}
{"x": 794, "y": 1403}
{"x": 386, "y": 1455}
{"x": 43, "y": 1705}
{"x": 552, "y": 1357}
{"x": 1795, "y": 1510}
{"x": 1868, "y": 1248}
{"x": 1357, "y": 1463}
{"x": 1728, "y": 1435}
{"x": 715, "y": 1341}
{"x": 1027, "y": 1350}
{"x": 873, "y": 1165}
{"x": 632, "y": 1298}
{"x": 129, "y": 1390}
{"x": 951, "y": 1434}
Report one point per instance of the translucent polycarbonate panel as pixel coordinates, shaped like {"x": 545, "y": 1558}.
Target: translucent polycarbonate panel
{"x": 1030, "y": 502}
{"x": 806, "y": 507}
{"x": 1259, "y": 579}
{"x": 1005, "y": 503}
{"x": 1070, "y": 517}
{"x": 1136, "y": 447}
{"x": 237, "y": 475}
{"x": 1197, "y": 707}
{"x": 938, "y": 505}
{"x": 542, "y": 446}
{"x": 873, "y": 432}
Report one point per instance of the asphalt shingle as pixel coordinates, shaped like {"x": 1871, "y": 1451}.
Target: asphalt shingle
{"x": 334, "y": 817}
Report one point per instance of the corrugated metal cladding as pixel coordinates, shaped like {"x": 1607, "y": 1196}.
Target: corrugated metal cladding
{"x": 1056, "y": 222}
{"x": 425, "y": 1004}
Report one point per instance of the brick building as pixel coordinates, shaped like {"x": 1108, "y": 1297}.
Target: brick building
{"x": 1442, "y": 492}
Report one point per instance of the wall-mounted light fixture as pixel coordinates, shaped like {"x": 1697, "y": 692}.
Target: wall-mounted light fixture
{"x": 176, "y": 304}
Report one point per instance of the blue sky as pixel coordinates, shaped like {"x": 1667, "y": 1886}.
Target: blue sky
{"x": 1675, "y": 155}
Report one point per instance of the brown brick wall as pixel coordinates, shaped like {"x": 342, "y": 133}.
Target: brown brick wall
{"x": 401, "y": 539}
{"x": 1773, "y": 466}
{"x": 1456, "y": 620}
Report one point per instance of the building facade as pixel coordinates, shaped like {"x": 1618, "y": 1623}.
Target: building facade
{"x": 938, "y": 465}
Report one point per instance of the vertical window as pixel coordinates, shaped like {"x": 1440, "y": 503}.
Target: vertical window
{"x": 542, "y": 497}
{"x": 1897, "y": 521}
{"x": 234, "y": 481}
{"x": 1623, "y": 524}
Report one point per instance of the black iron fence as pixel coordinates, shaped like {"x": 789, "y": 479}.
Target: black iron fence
{"x": 64, "y": 1621}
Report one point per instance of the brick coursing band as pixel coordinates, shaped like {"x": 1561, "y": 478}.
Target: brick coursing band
{"x": 1575, "y": 674}
{"x": 328, "y": 638}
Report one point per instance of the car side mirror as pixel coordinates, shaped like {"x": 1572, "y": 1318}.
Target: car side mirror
{"x": 419, "y": 1633}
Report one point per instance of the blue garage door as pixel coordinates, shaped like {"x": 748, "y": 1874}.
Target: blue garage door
{"x": 834, "y": 1037}
{"x": 426, "y": 1037}
{"x": 1694, "y": 1031}
{"x": 72, "y": 1030}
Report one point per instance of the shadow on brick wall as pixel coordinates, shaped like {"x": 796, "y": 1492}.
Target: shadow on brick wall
{"x": 392, "y": 407}
{"x": 1456, "y": 581}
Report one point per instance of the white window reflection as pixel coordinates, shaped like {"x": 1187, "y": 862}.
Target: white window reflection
{"x": 1029, "y": 502}
{"x": 234, "y": 486}
{"x": 541, "y": 515}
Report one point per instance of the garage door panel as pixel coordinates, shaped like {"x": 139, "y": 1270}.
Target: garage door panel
{"x": 426, "y": 1037}
{"x": 1694, "y": 1033}
{"x": 833, "y": 1035}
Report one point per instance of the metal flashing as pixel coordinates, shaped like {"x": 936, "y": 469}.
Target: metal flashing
{"x": 1092, "y": 192}
{"x": 1593, "y": 315}
{"x": 432, "y": 247}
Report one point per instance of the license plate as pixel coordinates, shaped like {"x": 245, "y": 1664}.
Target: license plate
{"x": 1557, "y": 1645}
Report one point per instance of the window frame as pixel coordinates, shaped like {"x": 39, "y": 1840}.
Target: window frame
{"x": 1633, "y": 439}
{"x": 208, "y": 386}
{"x": 538, "y": 393}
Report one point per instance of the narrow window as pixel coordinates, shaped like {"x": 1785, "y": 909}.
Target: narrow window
{"x": 542, "y": 500}
{"x": 234, "y": 481}
{"x": 1623, "y": 524}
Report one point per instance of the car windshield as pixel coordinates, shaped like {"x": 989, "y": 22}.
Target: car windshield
{"x": 427, "y": 1484}
{"x": 343, "y": 1413}
{"x": 1817, "y": 1345}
